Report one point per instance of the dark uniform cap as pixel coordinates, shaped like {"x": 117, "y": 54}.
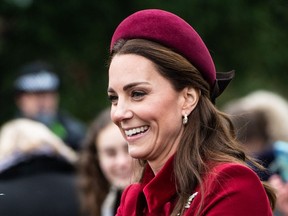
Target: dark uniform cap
{"x": 36, "y": 77}
{"x": 37, "y": 82}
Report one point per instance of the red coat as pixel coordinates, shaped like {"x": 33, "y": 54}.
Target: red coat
{"x": 235, "y": 190}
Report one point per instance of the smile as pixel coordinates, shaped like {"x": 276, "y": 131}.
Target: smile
{"x": 135, "y": 131}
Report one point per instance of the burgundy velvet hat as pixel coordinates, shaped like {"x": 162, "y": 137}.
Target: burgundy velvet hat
{"x": 175, "y": 33}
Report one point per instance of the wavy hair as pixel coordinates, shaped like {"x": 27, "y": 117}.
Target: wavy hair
{"x": 93, "y": 184}
{"x": 209, "y": 134}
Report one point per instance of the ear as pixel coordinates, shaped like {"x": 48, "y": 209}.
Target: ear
{"x": 191, "y": 98}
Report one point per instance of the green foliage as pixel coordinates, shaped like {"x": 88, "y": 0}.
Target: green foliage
{"x": 248, "y": 36}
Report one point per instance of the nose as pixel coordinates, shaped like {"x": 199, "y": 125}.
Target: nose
{"x": 121, "y": 112}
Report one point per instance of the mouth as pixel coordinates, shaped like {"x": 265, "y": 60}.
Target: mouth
{"x": 136, "y": 131}
{"x": 123, "y": 174}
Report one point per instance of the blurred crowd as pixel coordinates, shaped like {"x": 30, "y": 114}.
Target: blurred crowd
{"x": 53, "y": 164}
{"x": 261, "y": 124}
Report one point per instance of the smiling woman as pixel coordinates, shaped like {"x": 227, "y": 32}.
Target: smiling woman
{"x": 162, "y": 86}
{"x": 139, "y": 100}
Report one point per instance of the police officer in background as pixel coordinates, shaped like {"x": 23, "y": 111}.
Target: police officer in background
{"x": 37, "y": 98}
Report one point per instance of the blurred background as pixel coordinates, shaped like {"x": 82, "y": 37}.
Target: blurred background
{"x": 248, "y": 36}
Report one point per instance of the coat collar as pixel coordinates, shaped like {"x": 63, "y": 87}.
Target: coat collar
{"x": 160, "y": 189}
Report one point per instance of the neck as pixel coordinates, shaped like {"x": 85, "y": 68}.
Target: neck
{"x": 157, "y": 165}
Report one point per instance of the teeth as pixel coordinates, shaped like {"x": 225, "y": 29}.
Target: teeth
{"x": 134, "y": 131}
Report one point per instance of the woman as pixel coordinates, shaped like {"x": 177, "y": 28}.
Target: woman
{"x": 105, "y": 167}
{"x": 162, "y": 86}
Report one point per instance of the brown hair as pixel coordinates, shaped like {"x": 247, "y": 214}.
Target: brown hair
{"x": 208, "y": 135}
{"x": 93, "y": 184}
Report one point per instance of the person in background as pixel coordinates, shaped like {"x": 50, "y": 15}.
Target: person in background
{"x": 282, "y": 194}
{"x": 260, "y": 119}
{"x": 261, "y": 123}
{"x": 105, "y": 167}
{"x": 37, "y": 172}
{"x": 162, "y": 87}
{"x": 37, "y": 98}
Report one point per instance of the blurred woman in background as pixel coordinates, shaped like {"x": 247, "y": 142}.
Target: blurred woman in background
{"x": 105, "y": 167}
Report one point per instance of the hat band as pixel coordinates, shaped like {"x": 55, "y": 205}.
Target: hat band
{"x": 222, "y": 81}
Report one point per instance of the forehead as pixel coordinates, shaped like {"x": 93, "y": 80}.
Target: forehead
{"x": 110, "y": 136}
{"x": 126, "y": 67}
{"x": 38, "y": 94}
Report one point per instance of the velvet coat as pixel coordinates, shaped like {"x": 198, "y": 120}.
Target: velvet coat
{"x": 231, "y": 189}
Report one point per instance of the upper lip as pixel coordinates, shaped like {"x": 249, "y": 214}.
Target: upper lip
{"x": 130, "y": 127}
{"x": 133, "y": 130}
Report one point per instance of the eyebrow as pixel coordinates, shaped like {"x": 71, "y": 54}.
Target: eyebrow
{"x": 129, "y": 86}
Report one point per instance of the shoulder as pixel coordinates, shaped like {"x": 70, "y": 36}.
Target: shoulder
{"x": 232, "y": 169}
{"x": 235, "y": 170}
{"x": 233, "y": 189}
{"x": 68, "y": 120}
{"x": 236, "y": 176}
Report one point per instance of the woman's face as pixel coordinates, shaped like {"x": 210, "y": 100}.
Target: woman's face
{"x": 145, "y": 107}
{"x": 114, "y": 159}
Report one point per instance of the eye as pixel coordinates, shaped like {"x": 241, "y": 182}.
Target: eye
{"x": 111, "y": 153}
{"x": 108, "y": 152}
{"x": 113, "y": 99}
{"x": 138, "y": 95}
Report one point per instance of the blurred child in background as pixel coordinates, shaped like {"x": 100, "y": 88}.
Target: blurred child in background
{"x": 105, "y": 167}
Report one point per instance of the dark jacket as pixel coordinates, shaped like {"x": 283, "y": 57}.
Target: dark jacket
{"x": 40, "y": 186}
{"x": 74, "y": 130}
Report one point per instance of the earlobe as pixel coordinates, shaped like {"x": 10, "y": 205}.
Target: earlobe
{"x": 191, "y": 96}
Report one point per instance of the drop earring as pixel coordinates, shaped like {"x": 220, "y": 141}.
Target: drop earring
{"x": 185, "y": 119}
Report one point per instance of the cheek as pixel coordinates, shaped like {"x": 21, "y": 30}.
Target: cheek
{"x": 168, "y": 111}
{"x": 168, "y": 118}
{"x": 29, "y": 106}
{"x": 106, "y": 165}
{"x": 112, "y": 114}
{"x": 51, "y": 103}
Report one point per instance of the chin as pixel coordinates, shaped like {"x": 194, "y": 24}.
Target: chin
{"x": 122, "y": 185}
{"x": 136, "y": 154}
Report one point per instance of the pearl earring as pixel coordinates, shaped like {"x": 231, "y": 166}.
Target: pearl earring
{"x": 185, "y": 119}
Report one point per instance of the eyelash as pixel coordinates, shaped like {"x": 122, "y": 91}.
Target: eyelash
{"x": 136, "y": 95}
{"x": 112, "y": 98}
